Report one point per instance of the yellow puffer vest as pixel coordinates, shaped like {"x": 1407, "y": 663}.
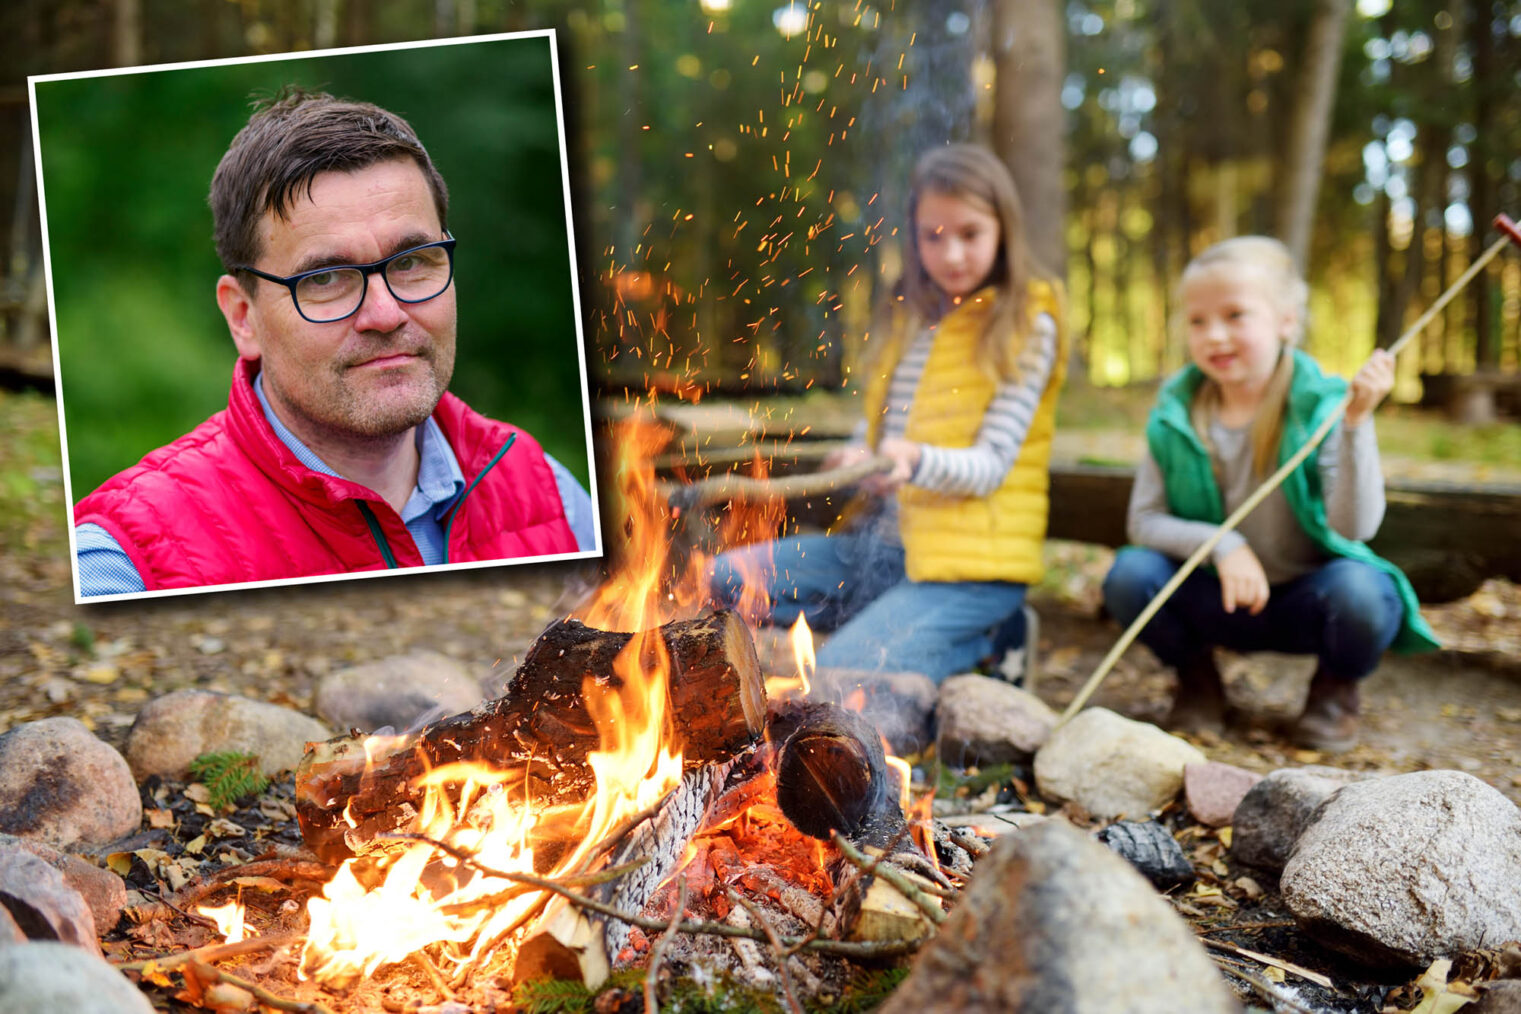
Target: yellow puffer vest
{"x": 965, "y": 538}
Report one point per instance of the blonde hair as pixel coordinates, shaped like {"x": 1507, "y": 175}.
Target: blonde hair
{"x": 1271, "y": 261}
{"x": 971, "y": 173}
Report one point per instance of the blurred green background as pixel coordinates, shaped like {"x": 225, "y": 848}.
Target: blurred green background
{"x": 144, "y": 354}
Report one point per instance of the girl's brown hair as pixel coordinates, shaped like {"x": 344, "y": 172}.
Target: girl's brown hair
{"x": 1283, "y": 286}
{"x": 971, "y": 173}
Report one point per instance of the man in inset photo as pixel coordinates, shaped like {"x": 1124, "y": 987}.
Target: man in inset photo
{"x": 340, "y": 449}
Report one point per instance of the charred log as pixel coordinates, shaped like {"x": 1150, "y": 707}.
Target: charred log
{"x": 541, "y": 730}
{"x": 832, "y": 775}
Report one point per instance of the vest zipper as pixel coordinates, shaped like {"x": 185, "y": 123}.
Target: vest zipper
{"x": 454, "y": 511}
{"x": 379, "y": 535}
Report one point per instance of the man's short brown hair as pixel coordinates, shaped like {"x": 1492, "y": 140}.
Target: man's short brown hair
{"x": 285, "y": 145}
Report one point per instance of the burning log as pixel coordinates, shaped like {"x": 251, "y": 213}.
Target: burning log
{"x": 575, "y": 943}
{"x": 832, "y": 776}
{"x": 540, "y": 730}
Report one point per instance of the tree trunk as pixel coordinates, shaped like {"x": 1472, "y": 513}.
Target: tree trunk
{"x": 1487, "y": 80}
{"x": 127, "y": 33}
{"x": 1309, "y": 126}
{"x": 1029, "y": 124}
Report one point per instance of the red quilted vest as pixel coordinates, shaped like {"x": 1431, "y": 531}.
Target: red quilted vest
{"x": 228, "y": 503}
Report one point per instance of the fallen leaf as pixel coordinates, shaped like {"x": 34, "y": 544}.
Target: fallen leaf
{"x": 159, "y": 818}
{"x": 120, "y": 863}
{"x": 197, "y": 792}
{"x": 196, "y": 845}
{"x": 101, "y": 675}
{"x": 260, "y": 883}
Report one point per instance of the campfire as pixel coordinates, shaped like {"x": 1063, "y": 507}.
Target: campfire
{"x": 642, "y": 797}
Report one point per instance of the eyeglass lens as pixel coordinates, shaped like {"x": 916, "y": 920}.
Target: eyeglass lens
{"x": 413, "y": 276}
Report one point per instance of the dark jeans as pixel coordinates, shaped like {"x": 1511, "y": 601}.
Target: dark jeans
{"x": 854, "y": 585}
{"x": 1346, "y": 613}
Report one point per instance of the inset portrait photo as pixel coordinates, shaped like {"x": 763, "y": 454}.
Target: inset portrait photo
{"x": 315, "y": 316}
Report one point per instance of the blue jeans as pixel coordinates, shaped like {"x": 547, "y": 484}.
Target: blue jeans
{"x": 1346, "y": 613}
{"x": 856, "y": 586}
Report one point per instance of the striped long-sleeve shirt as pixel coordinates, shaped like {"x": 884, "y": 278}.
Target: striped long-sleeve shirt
{"x": 981, "y": 468}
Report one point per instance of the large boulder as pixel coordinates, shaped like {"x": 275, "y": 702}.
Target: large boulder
{"x": 1409, "y": 868}
{"x": 1276, "y": 810}
{"x": 173, "y": 730}
{"x": 102, "y": 890}
{"x": 1053, "y": 923}
{"x": 47, "y": 976}
{"x": 42, "y": 903}
{"x": 986, "y": 721}
{"x": 1113, "y": 766}
{"x": 62, "y": 786}
{"x": 400, "y": 692}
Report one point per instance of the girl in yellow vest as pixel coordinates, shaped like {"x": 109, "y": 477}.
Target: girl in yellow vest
{"x": 961, "y": 396}
{"x": 1295, "y": 576}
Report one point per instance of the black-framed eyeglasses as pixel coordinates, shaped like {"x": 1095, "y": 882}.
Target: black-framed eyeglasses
{"x": 324, "y": 295}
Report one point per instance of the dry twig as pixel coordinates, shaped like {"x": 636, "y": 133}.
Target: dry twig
{"x": 1266, "y": 959}
{"x": 1262, "y": 987}
{"x": 657, "y": 952}
{"x": 211, "y": 952}
{"x": 264, "y": 996}
{"x": 874, "y": 866}
{"x": 781, "y": 953}
{"x": 845, "y": 948}
{"x": 422, "y": 961}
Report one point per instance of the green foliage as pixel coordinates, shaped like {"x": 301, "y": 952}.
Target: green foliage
{"x": 229, "y": 776}
{"x": 553, "y": 996}
{"x": 31, "y": 481}
{"x": 950, "y": 782}
{"x": 83, "y": 638}
{"x": 868, "y": 990}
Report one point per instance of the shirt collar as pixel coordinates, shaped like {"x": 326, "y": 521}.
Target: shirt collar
{"x": 439, "y": 479}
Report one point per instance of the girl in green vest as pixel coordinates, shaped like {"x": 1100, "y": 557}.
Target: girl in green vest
{"x": 1296, "y": 576}
{"x": 960, "y": 394}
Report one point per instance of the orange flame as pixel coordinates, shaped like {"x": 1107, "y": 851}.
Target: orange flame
{"x": 229, "y": 920}
{"x": 782, "y": 687}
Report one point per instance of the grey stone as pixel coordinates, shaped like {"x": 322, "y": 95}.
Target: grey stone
{"x": 1409, "y": 868}
{"x": 47, "y": 976}
{"x": 1052, "y": 922}
{"x": 102, "y": 890}
{"x": 1214, "y": 790}
{"x": 173, "y": 730}
{"x": 402, "y": 692}
{"x": 1112, "y": 766}
{"x": 900, "y": 704}
{"x": 62, "y": 786}
{"x": 42, "y": 903}
{"x": 1273, "y": 813}
{"x": 987, "y": 721}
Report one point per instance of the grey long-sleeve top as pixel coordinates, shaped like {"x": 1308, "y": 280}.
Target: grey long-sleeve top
{"x": 1351, "y": 480}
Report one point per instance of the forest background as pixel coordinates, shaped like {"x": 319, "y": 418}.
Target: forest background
{"x": 737, "y": 171}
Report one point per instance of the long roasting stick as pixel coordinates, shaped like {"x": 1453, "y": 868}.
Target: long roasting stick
{"x": 1509, "y": 234}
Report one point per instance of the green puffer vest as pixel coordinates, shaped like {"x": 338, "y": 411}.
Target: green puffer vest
{"x": 1193, "y": 493}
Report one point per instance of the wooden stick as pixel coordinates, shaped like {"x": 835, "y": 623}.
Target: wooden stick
{"x": 729, "y": 486}
{"x": 657, "y": 952}
{"x": 1287, "y": 966}
{"x": 777, "y": 950}
{"x": 261, "y": 994}
{"x": 845, "y": 948}
{"x": 211, "y": 952}
{"x": 1261, "y": 493}
{"x": 1261, "y": 986}
{"x": 875, "y": 867}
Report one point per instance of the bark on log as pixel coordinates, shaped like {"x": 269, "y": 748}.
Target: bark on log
{"x": 540, "y": 729}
